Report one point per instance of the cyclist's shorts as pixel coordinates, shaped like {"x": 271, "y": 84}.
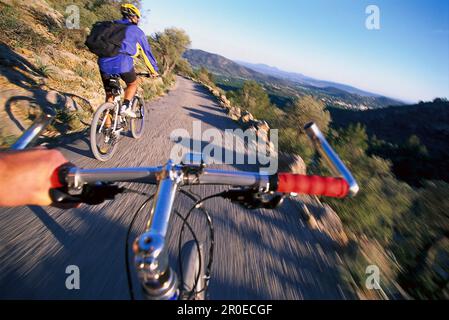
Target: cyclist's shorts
{"x": 128, "y": 77}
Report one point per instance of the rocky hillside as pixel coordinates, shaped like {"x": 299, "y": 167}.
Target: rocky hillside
{"x": 220, "y": 65}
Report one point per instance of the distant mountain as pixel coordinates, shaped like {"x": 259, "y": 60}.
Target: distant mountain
{"x": 284, "y": 86}
{"x": 220, "y": 65}
{"x": 302, "y": 79}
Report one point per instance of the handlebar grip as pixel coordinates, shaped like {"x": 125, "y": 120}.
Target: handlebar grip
{"x": 312, "y": 185}
{"x": 58, "y": 177}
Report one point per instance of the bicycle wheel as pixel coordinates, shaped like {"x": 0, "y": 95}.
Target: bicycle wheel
{"x": 138, "y": 124}
{"x": 103, "y": 141}
{"x": 190, "y": 269}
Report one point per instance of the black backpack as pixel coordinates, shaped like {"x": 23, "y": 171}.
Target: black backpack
{"x": 106, "y": 38}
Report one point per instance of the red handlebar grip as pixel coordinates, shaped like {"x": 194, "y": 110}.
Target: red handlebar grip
{"x": 312, "y": 185}
{"x": 54, "y": 180}
{"x": 58, "y": 177}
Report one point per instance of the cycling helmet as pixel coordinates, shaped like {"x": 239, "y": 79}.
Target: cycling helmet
{"x": 129, "y": 10}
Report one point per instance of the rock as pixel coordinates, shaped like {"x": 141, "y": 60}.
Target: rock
{"x": 60, "y": 101}
{"x": 225, "y": 100}
{"x": 224, "y": 106}
{"x": 308, "y": 217}
{"x": 234, "y": 113}
{"x": 298, "y": 166}
{"x": 289, "y": 162}
{"x": 263, "y": 129}
{"x": 331, "y": 224}
{"x": 56, "y": 99}
{"x": 222, "y": 97}
{"x": 246, "y": 117}
{"x": 71, "y": 104}
{"x": 262, "y": 125}
{"x": 311, "y": 222}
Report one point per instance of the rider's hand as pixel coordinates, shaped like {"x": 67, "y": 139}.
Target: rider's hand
{"x": 25, "y": 176}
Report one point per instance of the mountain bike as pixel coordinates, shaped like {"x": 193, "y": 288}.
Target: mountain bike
{"x": 252, "y": 190}
{"x": 108, "y": 125}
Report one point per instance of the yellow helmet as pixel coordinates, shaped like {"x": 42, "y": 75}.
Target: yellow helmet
{"x": 130, "y": 10}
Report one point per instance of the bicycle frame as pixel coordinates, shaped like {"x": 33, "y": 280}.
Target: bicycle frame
{"x": 117, "y": 99}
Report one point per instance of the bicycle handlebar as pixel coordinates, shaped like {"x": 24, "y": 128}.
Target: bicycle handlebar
{"x": 146, "y": 74}
{"x": 285, "y": 183}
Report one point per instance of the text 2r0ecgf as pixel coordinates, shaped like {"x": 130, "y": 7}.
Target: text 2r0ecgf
{"x": 246, "y": 309}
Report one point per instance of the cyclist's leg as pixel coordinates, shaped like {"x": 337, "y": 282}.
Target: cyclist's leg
{"x": 130, "y": 79}
{"x": 108, "y": 90}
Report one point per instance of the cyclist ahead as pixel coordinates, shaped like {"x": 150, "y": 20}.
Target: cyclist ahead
{"x": 117, "y": 43}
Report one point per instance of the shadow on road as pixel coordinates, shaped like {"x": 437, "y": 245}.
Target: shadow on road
{"x": 57, "y": 231}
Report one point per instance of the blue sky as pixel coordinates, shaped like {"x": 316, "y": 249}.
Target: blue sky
{"x": 408, "y": 58}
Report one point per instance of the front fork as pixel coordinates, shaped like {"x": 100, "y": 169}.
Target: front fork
{"x": 158, "y": 280}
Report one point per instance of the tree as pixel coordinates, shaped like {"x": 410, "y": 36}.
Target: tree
{"x": 422, "y": 246}
{"x": 168, "y": 47}
{"x": 382, "y": 198}
{"x": 254, "y": 98}
{"x": 183, "y": 67}
{"x": 307, "y": 109}
{"x": 205, "y": 76}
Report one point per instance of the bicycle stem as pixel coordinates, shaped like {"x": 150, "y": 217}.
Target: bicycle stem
{"x": 151, "y": 257}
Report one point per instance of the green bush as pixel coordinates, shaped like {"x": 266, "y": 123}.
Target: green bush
{"x": 307, "y": 109}
{"x": 381, "y": 199}
{"x": 422, "y": 243}
{"x": 253, "y": 97}
{"x": 44, "y": 69}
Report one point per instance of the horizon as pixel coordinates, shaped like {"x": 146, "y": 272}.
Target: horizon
{"x": 305, "y": 75}
{"x": 406, "y": 59}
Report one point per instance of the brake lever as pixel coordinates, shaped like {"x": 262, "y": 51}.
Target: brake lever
{"x": 90, "y": 194}
{"x": 254, "y": 199}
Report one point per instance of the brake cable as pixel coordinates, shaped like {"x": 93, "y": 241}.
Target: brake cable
{"x": 198, "y": 205}
{"x": 128, "y": 233}
{"x": 198, "y": 248}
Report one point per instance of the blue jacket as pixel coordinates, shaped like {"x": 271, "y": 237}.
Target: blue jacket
{"x": 135, "y": 43}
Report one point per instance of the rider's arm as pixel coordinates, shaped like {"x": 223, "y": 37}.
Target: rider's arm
{"x": 143, "y": 47}
{"x": 25, "y": 176}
